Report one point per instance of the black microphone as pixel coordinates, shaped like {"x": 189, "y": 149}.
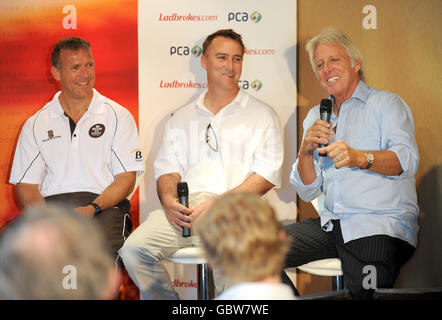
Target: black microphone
{"x": 183, "y": 198}
{"x": 325, "y": 110}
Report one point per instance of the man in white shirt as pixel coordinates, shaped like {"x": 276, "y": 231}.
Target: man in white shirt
{"x": 81, "y": 149}
{"x": 224, "y": 141}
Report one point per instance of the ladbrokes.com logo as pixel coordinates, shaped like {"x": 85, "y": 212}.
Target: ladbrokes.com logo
{"x": 190, "y": 84}
{"x": 259, "y": 52}
{"x": 186, "y": 284}
{"x": 255, "y": 17}
{"x": 176, "y": 84}
{"x": 196, "y": 51}
{"x": 175, "y": 17}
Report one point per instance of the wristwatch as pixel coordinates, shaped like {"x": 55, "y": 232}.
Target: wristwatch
{"x": 97, "y": 208}
{"x": 370, "y": 159}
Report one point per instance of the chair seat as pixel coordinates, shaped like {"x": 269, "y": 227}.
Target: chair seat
{"x": 188, "y": 255}
{"x": 325, "y": 267}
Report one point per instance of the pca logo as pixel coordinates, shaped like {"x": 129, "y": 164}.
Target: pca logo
{"x": 255, "y": 16}
{"x": 255, "y": 84}
{"x": 185, "y": 51}
{"x": 196, "y": 51}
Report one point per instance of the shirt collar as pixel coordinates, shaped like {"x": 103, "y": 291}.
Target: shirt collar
{"x": 96, "y": 105}
{"x": 240, "y": 100}
{"x": 361, "y": 92}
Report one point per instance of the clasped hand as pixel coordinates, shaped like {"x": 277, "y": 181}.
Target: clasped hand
{"x": 340, "y": 153}
{"x": 180, "y": 216}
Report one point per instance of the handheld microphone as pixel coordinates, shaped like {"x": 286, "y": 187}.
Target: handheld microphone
{"x": 325, "y": 110}
{"x": 183, "y": 198}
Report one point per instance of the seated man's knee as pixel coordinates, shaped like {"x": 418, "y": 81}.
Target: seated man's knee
{"x": 129, "y": 253}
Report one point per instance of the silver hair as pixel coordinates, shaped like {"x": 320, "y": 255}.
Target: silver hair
{"x": 331, "y": 35}
{"x": 38, "y": 245}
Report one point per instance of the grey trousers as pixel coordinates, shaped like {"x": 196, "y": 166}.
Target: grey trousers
{"x": 150, "y": 243}
{"x": 115, "y": 222}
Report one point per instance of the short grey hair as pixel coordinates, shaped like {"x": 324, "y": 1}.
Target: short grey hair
{"x": 37, "y": 246}
{"x": 69, "y": 43}
{"x": 331, "y": 35}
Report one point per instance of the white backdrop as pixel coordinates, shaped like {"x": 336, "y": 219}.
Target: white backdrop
{"x": 171, "y": 34}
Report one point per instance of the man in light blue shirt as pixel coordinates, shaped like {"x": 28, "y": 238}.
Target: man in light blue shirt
{"x": 365, "y": 183}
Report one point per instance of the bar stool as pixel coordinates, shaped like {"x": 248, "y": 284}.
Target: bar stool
{"x": 326, "y": 267}
{"x": 194, "y": 255}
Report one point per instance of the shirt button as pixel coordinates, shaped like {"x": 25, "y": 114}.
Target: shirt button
{"x": 75, "y": 135}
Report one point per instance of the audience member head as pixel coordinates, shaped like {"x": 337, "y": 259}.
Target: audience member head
{"x": 51, "y": 253}
{"x": 242, "y": 238}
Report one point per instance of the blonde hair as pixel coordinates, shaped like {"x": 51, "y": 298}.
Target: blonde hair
{"x": 242, "y": 238}
{"x": 331, "y": 35}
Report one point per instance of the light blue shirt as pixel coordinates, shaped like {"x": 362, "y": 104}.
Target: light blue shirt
{"x": 365, "y": 202}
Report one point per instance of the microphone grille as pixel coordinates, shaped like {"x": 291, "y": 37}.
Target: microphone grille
{"x": 182, "y": 189}
{"x": 326, "y": 105}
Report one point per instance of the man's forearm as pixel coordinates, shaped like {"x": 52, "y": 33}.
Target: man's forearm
{"x": 28, "y": 194}
{"x": 166, "y": 186}
{"x": 385, "y": 162}
{"x": 306, "y": 169}
{"x": 255, "y": 184}
{"x": 117, "y": 191}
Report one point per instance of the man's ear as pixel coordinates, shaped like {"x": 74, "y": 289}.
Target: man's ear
{"x": 203, "y": 61}
{"x": 55, "y": 73}
{"x": 358, "y": 65}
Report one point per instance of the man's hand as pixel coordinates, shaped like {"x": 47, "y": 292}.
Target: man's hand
{"x": 319, "y": 133}
{"x": 342, "y": 155}
{"x": 177, "y": 214}
{"x": 200, "y": 209}
{"x": 386, "y": 162}
{"x": 86, "y": 211}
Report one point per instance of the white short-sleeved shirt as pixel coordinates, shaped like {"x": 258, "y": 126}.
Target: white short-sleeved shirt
{"x": 247, "y": 132}
{"x": 105, "y": 143}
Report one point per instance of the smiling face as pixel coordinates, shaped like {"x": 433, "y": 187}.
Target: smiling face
{"x": 76, "y": 74}
{"x": 335, "y": 71}
{"x": 223, "y": 63}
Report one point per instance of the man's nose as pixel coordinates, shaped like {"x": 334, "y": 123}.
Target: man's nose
{"x": 84, "y": 72}
{"x": 327, "y": 66}
{"x": 229, "y": 64}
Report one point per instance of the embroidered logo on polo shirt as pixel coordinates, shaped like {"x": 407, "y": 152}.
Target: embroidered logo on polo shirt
{"x": 96, "y": 130}
{"x": 51, "y": 136}
{"x": 138, "y": 155}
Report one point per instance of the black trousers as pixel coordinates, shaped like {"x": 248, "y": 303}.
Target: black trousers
{"x": 375, "y": 258}
{"x": 115, "y": 222}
